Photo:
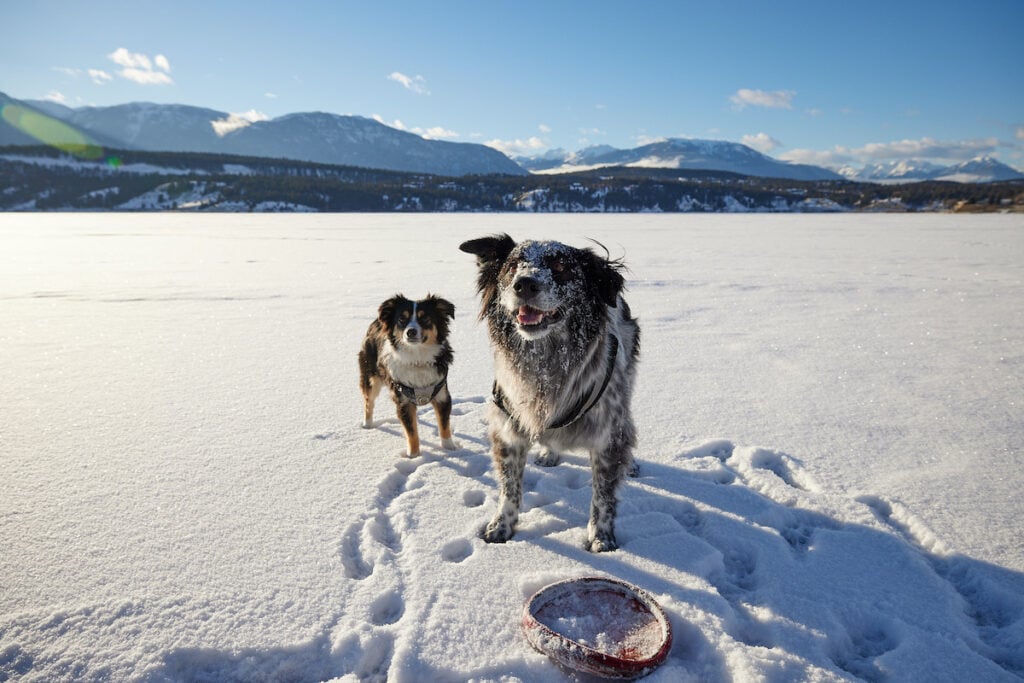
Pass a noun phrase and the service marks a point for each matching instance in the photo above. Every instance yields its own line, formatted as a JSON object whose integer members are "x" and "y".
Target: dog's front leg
{"x": 407, "y": 416}
{"x": 606, "y": 468}
{"x": 509, "y": 461}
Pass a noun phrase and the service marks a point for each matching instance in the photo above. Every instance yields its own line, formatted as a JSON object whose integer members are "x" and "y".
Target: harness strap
{"x": 411, "y": 393}
{"x": 584, "y": 405}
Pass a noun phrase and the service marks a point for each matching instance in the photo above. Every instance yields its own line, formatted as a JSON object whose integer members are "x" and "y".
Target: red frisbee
{"x": 598, "y": 626}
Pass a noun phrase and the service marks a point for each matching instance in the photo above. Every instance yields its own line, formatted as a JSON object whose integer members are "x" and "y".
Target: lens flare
{"x": 51, "y": 131}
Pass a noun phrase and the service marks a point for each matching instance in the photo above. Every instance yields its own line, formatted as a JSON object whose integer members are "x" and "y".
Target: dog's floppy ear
{"x": 490, "y": 253}
{"x": 605, "y": 276}
{"x": 495, "y": 248}
{"x": 443, "y": 306}
{"x": 386, "y": 312}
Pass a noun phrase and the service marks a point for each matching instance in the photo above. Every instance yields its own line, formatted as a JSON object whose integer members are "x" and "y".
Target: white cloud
{"x": 776, "y": 99}
{"x": 544, "y": 128}
{"x": 1020, "y": 132}
{"x": 270, "y": 95}
{"x": 642, "y": 140}
{"x": 926, "y": 148}
{"x": 68, "y": 71}
{"x": 437, "y": 133}
{"x": 432, "y": 133}
{"x": 762, "y": 142}
{"x": 830, "y": 158}
{"x": 380, "y": 119}
{"x": 416, "y": 84}
{"x": 55, "y": 96}
{"x": 139, "y": 68}
{"x": 235, "y": 122}
{"x": 130, "y": 60}
{"x": 518, "y": 147}
{"x": 100, "y": 77}
{"x": 144, "y": 77}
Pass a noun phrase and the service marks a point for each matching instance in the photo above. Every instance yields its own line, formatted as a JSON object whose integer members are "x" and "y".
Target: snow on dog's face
{"x": 411, "y": 323}
{"x": 537, "y": 284}
{"x": 541, "y": 287}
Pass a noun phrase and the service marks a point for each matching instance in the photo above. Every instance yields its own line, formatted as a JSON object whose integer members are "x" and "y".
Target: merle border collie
{"x": 565, "y": 354}
{"x": 406, "y": 349}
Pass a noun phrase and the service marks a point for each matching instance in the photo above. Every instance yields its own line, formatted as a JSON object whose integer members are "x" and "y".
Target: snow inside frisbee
{"x": 598, "y": 626}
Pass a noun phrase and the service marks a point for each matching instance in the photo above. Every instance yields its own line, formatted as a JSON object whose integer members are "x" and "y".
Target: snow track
{"x": 189, "y": 495}
{"x": 740, "y": 545}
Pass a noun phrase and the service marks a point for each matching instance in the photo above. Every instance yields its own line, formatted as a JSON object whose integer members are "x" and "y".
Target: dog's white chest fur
{"x": 412, "y": 365}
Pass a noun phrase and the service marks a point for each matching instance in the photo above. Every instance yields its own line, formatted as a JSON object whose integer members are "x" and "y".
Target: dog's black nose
{"x": 526, "y": 286}
{"x": 412, "y": 334}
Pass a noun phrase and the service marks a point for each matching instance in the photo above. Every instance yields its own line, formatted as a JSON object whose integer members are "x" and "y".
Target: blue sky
{"x": 825, "y": 82}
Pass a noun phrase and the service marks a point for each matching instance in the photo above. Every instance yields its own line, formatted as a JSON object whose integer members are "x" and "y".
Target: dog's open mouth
{"x": 532, "y": 318}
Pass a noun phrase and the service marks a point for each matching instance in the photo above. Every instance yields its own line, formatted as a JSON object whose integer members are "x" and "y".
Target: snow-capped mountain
{"x": 358, "y": 141}
{"x": 152, "y": 127}
{"x": 909, "y": 169}
{"x": 707, "y": 155}
{"x": 982, "y": 169}
{"x": 318, "y": 137}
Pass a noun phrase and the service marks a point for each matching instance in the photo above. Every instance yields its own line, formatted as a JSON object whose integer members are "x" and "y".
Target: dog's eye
{"x": 559, "y": 270}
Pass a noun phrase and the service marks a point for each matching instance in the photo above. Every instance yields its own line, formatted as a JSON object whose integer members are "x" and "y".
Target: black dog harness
{"x": 419, "y": 396}
{"x": 582, "y": 406}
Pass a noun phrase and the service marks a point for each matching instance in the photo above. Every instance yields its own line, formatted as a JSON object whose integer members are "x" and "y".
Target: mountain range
{"x": 683, "y": 154}
{"x": 362, "y": 142}
{"x": 316, "y": 136}
{"x": 982, "y": 169}
{"x": 716, "y": 155}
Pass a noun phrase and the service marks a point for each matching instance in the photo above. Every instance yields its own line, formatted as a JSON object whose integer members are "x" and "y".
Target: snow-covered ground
{"x": 829, "y": 407}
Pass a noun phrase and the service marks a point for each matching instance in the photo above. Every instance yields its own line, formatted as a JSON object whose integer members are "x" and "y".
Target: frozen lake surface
{"x": 830, "y": 417}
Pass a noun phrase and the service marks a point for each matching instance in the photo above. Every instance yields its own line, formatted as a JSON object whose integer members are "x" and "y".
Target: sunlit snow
{"x": 830, "y": 421}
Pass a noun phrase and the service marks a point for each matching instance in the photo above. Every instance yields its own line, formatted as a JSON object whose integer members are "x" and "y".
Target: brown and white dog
{"x": 565, "y": 353}
{"x": 406, "y": 349}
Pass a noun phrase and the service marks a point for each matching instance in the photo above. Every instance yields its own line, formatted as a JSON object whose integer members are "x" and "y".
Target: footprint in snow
{"x": 387, "y": 609}
{"x": 456, "y": 551}
{"x": 473, "y": 498}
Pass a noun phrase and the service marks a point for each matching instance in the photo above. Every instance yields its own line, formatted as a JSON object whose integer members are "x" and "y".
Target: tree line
{"x": 55, "y": 180}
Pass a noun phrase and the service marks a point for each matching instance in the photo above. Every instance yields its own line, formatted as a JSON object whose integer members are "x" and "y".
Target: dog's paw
{"x": 547, "y": 458}
{"x": 497, "y": 532}
{"x": 408, "y": 453}
{"x": 367, "y": 424}
{"x": 450, "y": 444}
{"x": 633, "y": 469}
{"x": 603, "y": 543}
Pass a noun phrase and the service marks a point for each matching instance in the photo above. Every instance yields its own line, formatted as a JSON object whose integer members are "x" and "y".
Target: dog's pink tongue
{"x": 529, "y": 316}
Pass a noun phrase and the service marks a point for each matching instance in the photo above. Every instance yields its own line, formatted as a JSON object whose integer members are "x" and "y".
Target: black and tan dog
{"x": 406, "y": 349}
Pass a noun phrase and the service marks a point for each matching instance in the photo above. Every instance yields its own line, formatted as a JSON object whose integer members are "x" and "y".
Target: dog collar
{"x": 582, "y": 406}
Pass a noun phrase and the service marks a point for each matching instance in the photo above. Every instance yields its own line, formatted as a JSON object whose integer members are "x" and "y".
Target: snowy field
{"x": 830, "y": 417}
